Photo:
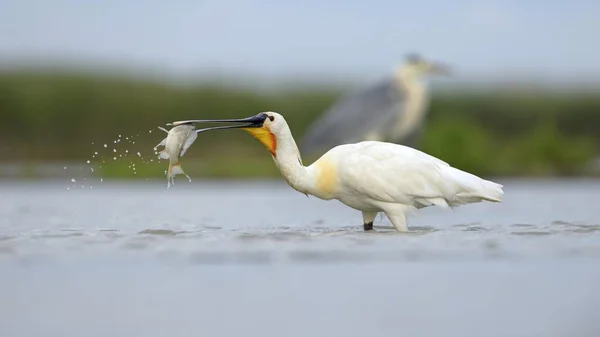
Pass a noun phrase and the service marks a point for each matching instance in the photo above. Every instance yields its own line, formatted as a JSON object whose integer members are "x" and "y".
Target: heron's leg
{"x": 368, "y": 218}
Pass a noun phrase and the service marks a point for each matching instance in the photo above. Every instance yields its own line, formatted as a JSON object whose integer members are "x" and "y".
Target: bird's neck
{"x": 409, "y": 80}
{"x": 289, "y": 162}
{"x": 416, "y": 98}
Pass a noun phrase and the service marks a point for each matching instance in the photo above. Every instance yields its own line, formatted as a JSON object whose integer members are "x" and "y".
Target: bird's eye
{"x": 271, "y": 118}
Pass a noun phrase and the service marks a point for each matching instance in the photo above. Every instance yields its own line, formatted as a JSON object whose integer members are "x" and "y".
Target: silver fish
{"x": 178, "y": 140}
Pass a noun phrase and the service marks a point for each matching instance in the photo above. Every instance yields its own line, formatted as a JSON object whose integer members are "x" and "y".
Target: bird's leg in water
{"x": 368, "y": 218}
{"x": 398, "y": 219}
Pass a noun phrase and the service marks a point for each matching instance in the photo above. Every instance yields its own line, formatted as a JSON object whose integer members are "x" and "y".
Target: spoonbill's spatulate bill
{"x": 369, "y": 176}
{"x": 392, "y": 110}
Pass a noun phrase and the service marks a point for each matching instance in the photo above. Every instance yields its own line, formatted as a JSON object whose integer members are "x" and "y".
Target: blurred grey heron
{"x": 392, "y": 110}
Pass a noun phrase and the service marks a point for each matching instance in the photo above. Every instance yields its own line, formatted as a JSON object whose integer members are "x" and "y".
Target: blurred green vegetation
{"x": 62, "y": 117}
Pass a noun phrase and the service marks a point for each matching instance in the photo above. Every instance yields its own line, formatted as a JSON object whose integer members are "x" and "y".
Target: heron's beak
{"x": 255, "y": 121}
{"x": 440, "y": 69}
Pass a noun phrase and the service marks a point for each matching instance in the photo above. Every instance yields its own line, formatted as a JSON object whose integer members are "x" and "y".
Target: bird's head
{"x": 267, "y": 127}
{"x": 269, "y": 131}
{"x": 418, "y": 67}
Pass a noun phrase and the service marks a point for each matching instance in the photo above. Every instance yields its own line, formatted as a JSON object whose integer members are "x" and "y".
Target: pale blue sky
{"x": 278, "y": 38}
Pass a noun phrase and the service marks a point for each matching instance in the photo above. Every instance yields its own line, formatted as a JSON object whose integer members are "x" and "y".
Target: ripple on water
{"x": 422, "y": 229}
{"x": 58, "y": 235}
{"x": 576, "y": 227}
{"x": 586, "y": 229}
{"x": 312, "y": 243}
{"x": 465, "y": 225}
{"x": 275, "y": 235}
{"x": 212, "y": 227}
{"x": 167, "y": 232}
{"x": 523, "y": 225}
{"x": 533, "y": 233}
{"x": 472, "y": 227}
{"x": 164, "y": 232}
{"x": 560, "y": 222}
{"x": 476, "y": 229}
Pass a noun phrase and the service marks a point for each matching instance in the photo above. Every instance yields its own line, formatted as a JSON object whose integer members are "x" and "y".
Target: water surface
{"x": 257, "y": 258}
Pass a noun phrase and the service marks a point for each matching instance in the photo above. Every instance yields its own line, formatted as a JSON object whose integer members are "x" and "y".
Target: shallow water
{"x": 231, "y": 258}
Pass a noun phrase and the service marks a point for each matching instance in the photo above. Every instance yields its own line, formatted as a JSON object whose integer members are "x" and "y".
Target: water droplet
{"x": 126, "y": 151}
{"x": 114, "y": 158}
{"x": 65, "y": 167}
{"x": 139, "y": 154}
{"x": 96, "y": 152}
{"x": 101, "y": 179}
{"x": 105, "y": 145}
{"x": 91, "y": 187}
{"x": 119, "y": 136}
{"x": 150, "y": 131}
{"x": 114, "y": 150}
{"x": 73, "y": 180}
{"x": 88, "y": 161}
{"x": 92, "y": 169}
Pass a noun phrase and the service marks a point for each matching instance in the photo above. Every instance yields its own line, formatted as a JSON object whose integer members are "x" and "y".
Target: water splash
{"x": 124, "y": 147}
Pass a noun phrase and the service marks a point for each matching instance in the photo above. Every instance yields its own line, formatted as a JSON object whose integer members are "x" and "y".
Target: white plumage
{"x": 384, "y": 177}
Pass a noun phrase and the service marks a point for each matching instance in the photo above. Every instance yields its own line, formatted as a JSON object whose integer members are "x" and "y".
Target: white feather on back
{"x": 391, "y": 173}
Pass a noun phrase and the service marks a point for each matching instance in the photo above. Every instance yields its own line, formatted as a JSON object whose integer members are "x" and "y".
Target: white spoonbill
{"x": 369, "y": 176}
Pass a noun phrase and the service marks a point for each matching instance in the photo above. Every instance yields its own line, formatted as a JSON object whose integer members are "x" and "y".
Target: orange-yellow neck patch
{"x": 327, "y": 177}
{"x": 265, "y": 136}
